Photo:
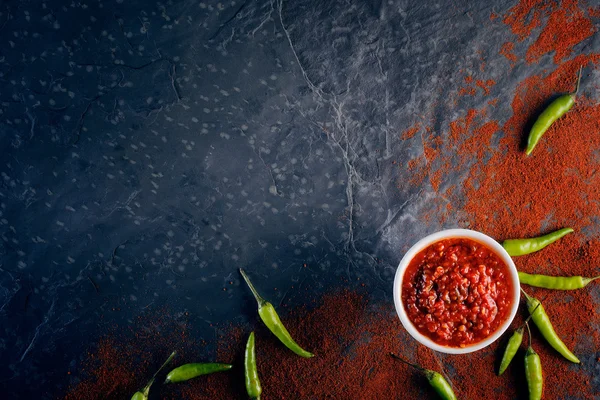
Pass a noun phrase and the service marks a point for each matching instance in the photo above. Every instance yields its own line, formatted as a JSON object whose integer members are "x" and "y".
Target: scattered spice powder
{"x": 524, "y": 17}
{"x": 566, "y": 26}
{"x": 553, "y": 187}
{"x": 410, "y": 132}
{"x": 123, "y": 361}
{"x": 467, "y": 91}
{"x": 351, "y": 340}
{"x": 507, "y": 50}
{"x": 485, "y": 85}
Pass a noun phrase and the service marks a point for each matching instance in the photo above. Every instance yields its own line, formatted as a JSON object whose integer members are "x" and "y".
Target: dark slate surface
{"x": 149, "y": 149}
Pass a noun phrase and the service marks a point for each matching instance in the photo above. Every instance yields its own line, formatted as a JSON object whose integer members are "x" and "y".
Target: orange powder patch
{"x": 466, "y": 91}
{"x": 410, "y": 132}
{"x": 567, "y": 26}
{"x": 507, "y": 50}
{"x": 524, "y": 17}
{"x": 485, "y": 85}
{"x": 544, "y": 191}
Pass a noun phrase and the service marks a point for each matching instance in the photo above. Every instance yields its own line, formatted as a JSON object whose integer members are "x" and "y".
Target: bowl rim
{"x": 436, "y": 237}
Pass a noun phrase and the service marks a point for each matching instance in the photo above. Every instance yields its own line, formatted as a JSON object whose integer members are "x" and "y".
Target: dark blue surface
{"x": 149, "y": 149}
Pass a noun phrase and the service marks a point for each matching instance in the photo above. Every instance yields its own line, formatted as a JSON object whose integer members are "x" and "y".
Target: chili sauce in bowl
{"x": 456, "y": 291}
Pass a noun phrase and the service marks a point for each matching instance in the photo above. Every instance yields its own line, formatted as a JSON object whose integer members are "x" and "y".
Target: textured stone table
{"x": 149, "y": 149}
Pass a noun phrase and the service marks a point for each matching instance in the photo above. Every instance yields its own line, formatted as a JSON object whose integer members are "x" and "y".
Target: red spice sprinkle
{"x": 410, "y": 132}
{"x": 523, "y": 11}
{"x": 468, "y": 91}
{"x": 507, "y": 51}
{"x": 534, "y": 197}
{"x": 485, "y": 85}
{"x": 567, "y": 26}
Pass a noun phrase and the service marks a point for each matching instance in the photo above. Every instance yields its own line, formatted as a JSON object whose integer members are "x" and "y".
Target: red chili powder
{"x": 524, "y": 17}
{"x": 419, "y": 167}
{"x": 510, "y": 195}
{"x": 410, "y": 132}
{"x": 507, "y": 51}
{"x": 485, "y": 85}
{"x": 567, "y": 26}
{"x": 553, "y": 187}
{"x": 466, "y": 91}
{"x": 109, "y": 373}
{"x": 467, "y": 135}
{"x": 123, "y": 362}
{"x": 351, "y": 340}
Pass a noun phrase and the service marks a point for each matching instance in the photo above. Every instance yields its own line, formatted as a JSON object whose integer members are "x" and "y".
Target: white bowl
{"x": 436, "y": 237}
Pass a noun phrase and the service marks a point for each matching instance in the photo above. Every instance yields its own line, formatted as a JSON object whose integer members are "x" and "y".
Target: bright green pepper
{"x": 513, "y": 346}
{"x": 554, "y": 111}
{"x": 520, "y": 247}
{"x": 253, "y": 387}
{"x": 555, "y": 282}
{"x": 435, "y": 379}
{"x": 511, "y": 350}
{"x": 273, "y": 322}
{"x": 189, "y": 371}
{"x": 143, "y": 394}
{"x": 542, "y": 321}
{"x": 533, "y": 372}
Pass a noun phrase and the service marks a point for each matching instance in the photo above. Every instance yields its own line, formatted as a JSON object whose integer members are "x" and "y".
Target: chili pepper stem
{"x": 407, "y": 363}
{"x": 588, "y": 280}
{"x": 578, "y": 80}
{"x": 257, "y": 296}
{"x": 529, "y": 317}
{"x": 529, "y": 333}
{"x": 146, "y": 388}
{"x": 526, "y": 295}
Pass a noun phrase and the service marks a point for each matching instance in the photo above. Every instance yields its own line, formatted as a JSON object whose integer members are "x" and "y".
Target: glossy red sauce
{"x": 457, "y": 292}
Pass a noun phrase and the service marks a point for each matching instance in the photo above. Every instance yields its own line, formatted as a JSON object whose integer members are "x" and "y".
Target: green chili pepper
{"x": 555, "y": 282}
{"x": 512, "y": 346}
{"x": 519, "y": 247}
{"x": 251, "y": 371}
{"x": 143, "y": 394}
{"x": 533, "y": 372}
{"x": 542, "y": 321}
{"x": 511, "y": 349}
{"x": 435, "y": 379}
{"x": 554, "y": 111}
{"x": 271, "y": 319}
{"x": 189, "y": 371}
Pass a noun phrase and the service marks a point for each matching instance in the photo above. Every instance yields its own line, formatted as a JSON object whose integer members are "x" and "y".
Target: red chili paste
{"x": 457, "y": 292}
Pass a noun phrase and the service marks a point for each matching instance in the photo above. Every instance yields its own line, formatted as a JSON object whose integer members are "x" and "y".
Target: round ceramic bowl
{"x": 436, "y": 237}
